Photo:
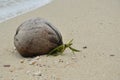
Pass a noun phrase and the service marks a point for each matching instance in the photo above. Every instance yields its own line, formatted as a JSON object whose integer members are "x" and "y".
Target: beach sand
{"x": 95, "y": 27}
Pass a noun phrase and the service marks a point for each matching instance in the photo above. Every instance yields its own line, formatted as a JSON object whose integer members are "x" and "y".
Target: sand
{"x": 94, "y": 24}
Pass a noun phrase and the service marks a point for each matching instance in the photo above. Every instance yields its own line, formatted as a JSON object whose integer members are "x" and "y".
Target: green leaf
{"x": 60, "y": 49}
{"x": 73, "y": 49}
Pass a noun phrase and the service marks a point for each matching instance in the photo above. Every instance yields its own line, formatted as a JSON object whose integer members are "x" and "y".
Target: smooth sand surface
{"x": 91, "y": 23}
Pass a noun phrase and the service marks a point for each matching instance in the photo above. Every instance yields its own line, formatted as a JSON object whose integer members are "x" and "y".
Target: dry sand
{"x": 91, "y": 23}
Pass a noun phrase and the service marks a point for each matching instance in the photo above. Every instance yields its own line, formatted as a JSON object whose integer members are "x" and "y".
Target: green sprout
{"x": 60, "y": 49}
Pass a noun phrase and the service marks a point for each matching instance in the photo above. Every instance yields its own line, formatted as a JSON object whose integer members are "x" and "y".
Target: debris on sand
{"x": 7, "y": 65}
{"x": 21, "y": 61}
{"x": 112, "y": 55}
{"x": 38, "y": 73}
{"x": 32, "y": 62}
{"x": 85, "y": 47}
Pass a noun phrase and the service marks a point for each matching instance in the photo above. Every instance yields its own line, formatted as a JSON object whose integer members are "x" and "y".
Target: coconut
{"x": 36, "y": 37}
